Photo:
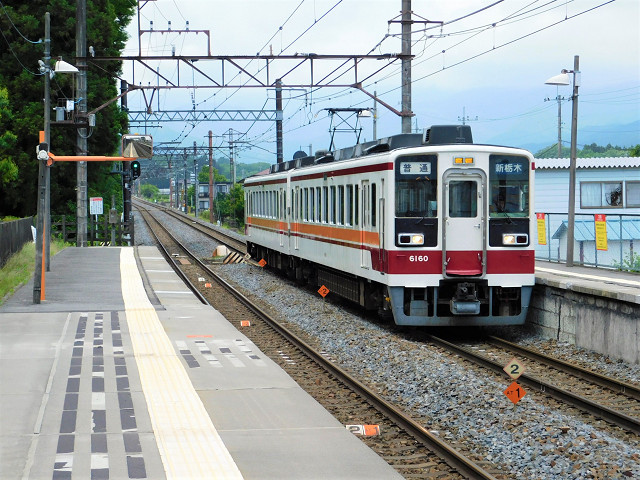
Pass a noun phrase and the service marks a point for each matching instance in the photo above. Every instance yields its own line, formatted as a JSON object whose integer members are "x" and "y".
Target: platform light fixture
{"x": 563, "y": 79}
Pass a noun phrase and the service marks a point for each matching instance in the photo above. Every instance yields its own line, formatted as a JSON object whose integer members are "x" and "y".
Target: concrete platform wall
{"x": 604, "y": 325}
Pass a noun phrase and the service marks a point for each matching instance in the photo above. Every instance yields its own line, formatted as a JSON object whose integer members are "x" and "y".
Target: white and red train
{"x": 431, "y": 228}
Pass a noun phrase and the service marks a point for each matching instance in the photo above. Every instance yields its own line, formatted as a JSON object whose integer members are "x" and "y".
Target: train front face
{"x": 462, "y": 250}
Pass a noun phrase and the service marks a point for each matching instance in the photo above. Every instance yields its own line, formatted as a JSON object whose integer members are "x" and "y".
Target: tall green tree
{"x": 8, "y": 169}
{"x": 23, "y": 23}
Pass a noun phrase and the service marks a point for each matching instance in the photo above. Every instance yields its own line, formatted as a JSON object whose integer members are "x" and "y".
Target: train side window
{"x": 341, "y": 204}
{"x": 318, "y": 204}
{"x": 349, "y": 205}
{"x": 325, "y": 203}
{"x": 374, "y": 201}
{"x": 305, "y": 215}
{"x": 312, "y": 204}
{"x": 356, "y": 209}
{"x": 333, "y": 204}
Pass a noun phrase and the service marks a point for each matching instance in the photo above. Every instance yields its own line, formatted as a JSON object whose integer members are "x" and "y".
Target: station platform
{"x": 122, "y": 373}
{"x": 598, "y": 282}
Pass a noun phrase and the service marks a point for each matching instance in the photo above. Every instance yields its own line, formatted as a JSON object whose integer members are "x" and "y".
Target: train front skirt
{"x": 446, "y": 306}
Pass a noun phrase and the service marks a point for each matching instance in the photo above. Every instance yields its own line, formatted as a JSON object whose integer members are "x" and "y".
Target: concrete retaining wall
{"x": 605, "y": 325}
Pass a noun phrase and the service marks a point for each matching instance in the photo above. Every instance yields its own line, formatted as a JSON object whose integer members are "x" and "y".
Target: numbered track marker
{"x": 514, "y": 368}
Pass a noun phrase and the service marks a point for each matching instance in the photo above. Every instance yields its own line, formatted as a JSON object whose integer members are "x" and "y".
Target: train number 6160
{"x": 418, "y": 258}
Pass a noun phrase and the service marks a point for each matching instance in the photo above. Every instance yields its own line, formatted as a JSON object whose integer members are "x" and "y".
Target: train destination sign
{"x": 415, "y": 168}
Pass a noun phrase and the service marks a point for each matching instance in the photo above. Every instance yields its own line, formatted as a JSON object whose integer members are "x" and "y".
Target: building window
{"x": 601, "y": 194}
{"x": 633, "y": 194}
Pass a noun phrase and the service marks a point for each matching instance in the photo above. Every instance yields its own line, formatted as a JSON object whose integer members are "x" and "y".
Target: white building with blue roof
{"x": 609, "y": 186}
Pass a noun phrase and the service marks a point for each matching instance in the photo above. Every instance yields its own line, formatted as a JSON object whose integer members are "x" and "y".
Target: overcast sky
{"x": 491, "y": 65}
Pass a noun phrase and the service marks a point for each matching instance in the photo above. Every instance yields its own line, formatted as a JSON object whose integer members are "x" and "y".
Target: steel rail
{"x": 169, "y": 258}
{"x": 452, "y": 457}
{"x": 617, "y": 418}
{"x": 611, "y": 383}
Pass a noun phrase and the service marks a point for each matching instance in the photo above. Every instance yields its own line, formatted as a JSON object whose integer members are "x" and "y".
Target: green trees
{"x": 22, "y": 115}
{"x": 230, "y": 206}
{"x": 8, "y": 169}
{"x": 149, "y": 191}
{"x": 588, "y": 151}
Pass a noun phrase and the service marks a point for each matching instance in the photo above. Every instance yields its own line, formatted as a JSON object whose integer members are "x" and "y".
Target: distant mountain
{"x": 627, "y": 135}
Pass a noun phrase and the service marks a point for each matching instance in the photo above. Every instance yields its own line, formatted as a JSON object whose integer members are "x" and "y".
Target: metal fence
{"x": 617, "y": 244}
{"x": 99, "y": 231}
{"x": 13, "y": 235}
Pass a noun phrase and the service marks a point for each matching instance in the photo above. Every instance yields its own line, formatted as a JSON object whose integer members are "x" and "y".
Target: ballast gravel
{"x": 467, "y": 407}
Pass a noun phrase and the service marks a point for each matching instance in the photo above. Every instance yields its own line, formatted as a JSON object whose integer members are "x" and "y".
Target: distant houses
{"x": 609, "y": 186}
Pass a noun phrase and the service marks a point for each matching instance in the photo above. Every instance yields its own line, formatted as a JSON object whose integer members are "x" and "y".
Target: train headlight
{"x": 411, "y": 239}
{"x": 515, "y": 239}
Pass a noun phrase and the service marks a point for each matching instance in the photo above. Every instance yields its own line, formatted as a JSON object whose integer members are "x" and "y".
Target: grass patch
{"x": 20, "y": 266}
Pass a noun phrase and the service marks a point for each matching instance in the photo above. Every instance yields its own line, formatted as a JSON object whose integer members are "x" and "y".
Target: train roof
{"x": 436, "y": 135}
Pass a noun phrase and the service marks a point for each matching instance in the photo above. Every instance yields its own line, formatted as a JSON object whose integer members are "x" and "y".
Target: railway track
{"x": 404, "y": 443}
{"x": 216, "y": 234}
{"x": 609, "y": 399}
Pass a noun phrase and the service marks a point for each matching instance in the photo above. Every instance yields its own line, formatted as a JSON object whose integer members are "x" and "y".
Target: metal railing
{"x": 620, "y": 251}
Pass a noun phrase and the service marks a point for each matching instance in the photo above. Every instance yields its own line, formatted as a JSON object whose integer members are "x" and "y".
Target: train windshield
{"x": 509, "y": 186}
{"x": 416, "y": 186}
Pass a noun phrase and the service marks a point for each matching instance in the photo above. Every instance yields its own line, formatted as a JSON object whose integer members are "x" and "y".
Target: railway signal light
{"x": 135, "y": 169}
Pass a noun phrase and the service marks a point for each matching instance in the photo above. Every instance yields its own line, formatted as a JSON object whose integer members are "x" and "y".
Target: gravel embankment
{"x": 458, "y": 402}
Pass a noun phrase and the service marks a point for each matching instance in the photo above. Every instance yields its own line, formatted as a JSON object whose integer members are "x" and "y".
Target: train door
{"x": 365, "y": 219}
{"x": 463, "y": 230}
{"x": 295, "y": 218}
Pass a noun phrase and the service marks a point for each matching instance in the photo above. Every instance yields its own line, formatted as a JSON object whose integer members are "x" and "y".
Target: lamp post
{"x": 43, "y": 227}
{"x": 563, "y": 79}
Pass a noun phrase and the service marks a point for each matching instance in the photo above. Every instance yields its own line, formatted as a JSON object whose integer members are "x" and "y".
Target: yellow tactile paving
{"x": 188, "y": 442}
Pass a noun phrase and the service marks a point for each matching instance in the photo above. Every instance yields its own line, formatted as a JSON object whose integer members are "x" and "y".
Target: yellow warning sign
{"x": 514, "y": 392}
{"x": 324, "y": 291}
{"x": 601, "y": 231}
{"x": 542, "y": 229}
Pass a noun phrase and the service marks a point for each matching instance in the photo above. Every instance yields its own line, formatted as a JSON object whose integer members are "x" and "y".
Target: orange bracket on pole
{"x": 88, "y": 158}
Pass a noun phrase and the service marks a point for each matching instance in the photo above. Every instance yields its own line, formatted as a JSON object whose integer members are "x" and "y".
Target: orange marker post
{"x": 515, "y": 392}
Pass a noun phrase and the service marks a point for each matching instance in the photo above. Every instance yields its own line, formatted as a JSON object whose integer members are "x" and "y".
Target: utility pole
{"x": 465, "y": 118}
{"x": 375, "y": 116}
{"x": 43, "y": 170}
{"x": 81, "y": 138}
{"x": 211, "y": 175}
{"x": 232, "y": 163}
{"x": 186, "y": 201}
{"x": 279, "y": 147}
{"x": 572, "y": 163}
{"x": 196, "y": 182}
{"x": 127, "y": 183}
{"x": 559, "y": 99}
{"x": 406, "y": 65}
